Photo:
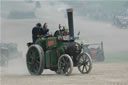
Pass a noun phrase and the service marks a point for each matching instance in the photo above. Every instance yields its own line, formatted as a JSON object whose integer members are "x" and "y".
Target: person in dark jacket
{"x": 37, "y": 32}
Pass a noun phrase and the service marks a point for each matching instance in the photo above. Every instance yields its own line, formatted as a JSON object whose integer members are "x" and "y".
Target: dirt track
{"x": 101, "y": 74}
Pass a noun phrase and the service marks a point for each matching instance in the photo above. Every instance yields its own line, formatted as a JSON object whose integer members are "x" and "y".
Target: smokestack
{"x": 70, "y": 23}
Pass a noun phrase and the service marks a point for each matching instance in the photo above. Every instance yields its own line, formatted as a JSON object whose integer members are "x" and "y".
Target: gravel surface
{"x": 101, "y": 74}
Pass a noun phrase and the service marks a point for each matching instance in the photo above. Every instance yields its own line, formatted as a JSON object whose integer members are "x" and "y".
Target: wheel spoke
{"x": 62, "y": 63}
{"x": 67, "y": 70}
{"x": 67, "y": 66}
{"x": 36, "y": 66}
{"x": 30, "y": 63}
{"x": 83, "y": 68}
{"x": 83, "y": 58}
{"x": 79, "y": 64}
{"x": 86, "y": 68}
{"x": 30, "y": 55}
{"x": 67, "y": 60}
{"x": 38, "y": 62}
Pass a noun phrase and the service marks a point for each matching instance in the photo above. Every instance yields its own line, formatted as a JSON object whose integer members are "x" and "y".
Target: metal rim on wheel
{"x": 65, "y": 64}
{"x": 35, "y": 60}
{"x": 84, "y": 63}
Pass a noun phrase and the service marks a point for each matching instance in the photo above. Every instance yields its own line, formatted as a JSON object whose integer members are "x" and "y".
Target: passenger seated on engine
{"x": 38, "y": 31}
{"x": 64, "y": 31}
{"x": 45, "y": 30}
{"x": 61, "y": 32}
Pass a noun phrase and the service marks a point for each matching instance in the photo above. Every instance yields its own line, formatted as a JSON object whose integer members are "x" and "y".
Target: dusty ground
{"x": 101, "y": 74}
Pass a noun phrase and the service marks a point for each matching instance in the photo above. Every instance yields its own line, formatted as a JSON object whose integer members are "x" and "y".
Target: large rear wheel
{"x": 84, "y": 63}
{"x": 35, "y": 60}
{"x": 65, "y": 64}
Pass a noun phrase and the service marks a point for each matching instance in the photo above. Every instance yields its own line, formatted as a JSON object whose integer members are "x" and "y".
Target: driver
{"x": 37, "y": 32}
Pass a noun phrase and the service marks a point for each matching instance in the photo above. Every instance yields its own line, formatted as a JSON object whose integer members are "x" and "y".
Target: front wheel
{"x": 35, "y": 60}
{"x": 65, "y": 64}
{"x": 84, "y": 63}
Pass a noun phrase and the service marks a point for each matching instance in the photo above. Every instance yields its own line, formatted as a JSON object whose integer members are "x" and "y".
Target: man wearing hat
{"x": 37, "y": 32}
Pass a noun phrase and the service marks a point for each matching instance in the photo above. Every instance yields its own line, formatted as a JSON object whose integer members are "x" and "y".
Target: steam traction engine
{"x": 59, "y": 53}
